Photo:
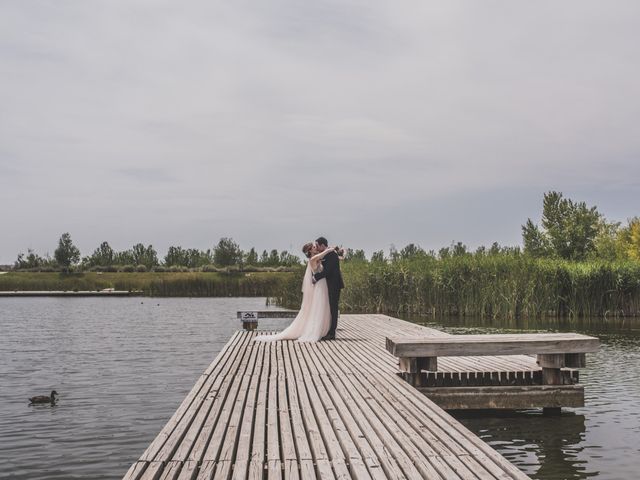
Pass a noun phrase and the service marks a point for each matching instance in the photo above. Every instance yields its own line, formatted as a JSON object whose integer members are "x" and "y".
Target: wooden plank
{"x": 229, "y": 416}
{"x": 274, "y": 460}
{"x": 383, "y": 415}
{"x": 287, "y": 442}
{"x": 394, "y": 462}
{"x": 189, "y": 470}
{"x": 357, "y": 450}
{"x": 242, "y": 407}
{"x": 494, "y": 344}
{"x": 506, "y": 397}
{"x": 135, "y": 471}
{"x": 324, "y": 442}
{"x": 250, "y": 418}
{"x": 436, "y": 418}
{"x": 436, "y": 443}
{"x": 257, "y": 460}
{"x": 305, "y": 432}
{"x": 190, "y": 446}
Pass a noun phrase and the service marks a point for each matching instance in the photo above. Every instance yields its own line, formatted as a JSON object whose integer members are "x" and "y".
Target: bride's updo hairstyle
{"x": 306, "y": 249}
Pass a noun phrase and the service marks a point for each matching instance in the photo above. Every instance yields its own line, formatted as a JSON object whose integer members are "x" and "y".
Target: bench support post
{"x": 417, "y": 364}
{"x": 575, "y": 360}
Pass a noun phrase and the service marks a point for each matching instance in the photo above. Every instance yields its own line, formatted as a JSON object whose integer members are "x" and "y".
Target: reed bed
{"x": 161, "y": 284}
{"x": 487, "y": 286}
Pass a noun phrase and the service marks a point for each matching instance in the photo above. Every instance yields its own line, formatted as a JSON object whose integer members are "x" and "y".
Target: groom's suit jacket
{"x": 331, "y": 271}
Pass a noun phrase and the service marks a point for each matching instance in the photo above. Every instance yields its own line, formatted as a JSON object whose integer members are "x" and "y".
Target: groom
{"x": 330, "y": 271}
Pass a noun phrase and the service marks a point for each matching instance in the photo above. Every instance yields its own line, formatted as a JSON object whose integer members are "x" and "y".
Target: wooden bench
{"x": 554, "y": 352}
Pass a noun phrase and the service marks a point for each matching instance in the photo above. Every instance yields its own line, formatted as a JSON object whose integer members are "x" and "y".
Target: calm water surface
{"x": 123, "y": 365}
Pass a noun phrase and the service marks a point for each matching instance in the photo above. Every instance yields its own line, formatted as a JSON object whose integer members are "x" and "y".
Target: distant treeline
{"x": 573, "y": 263}
{"x": 225, "y": 256}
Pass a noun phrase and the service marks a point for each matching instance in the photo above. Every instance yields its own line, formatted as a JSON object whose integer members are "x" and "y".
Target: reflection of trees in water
{"x": 555, "y": 441}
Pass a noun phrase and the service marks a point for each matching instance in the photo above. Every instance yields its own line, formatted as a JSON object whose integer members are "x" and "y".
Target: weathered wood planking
{"x": 330, "y": 410}
{"x": 489, "y": 345}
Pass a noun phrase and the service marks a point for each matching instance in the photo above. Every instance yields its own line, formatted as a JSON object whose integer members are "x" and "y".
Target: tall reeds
{"x": 508, "y": 286}
{"x": 169, "y": 284}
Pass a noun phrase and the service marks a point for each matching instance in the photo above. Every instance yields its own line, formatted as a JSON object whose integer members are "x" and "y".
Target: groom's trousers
{"x": 334, "y": 300}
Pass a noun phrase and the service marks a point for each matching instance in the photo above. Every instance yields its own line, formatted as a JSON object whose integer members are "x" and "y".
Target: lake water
{"x": 123, "y": 365}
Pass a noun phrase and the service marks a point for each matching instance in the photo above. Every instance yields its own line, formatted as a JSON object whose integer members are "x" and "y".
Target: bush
{"x": 141, "y": 268}
{"x": 210, "y": 268}
{"x": 128, "y": 268}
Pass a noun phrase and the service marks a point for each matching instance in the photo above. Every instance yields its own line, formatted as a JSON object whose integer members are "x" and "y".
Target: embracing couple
{"x": 318, "y": 316}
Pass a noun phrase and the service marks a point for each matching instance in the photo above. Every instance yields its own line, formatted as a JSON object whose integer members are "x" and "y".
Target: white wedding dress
{"x": 314, "y": 318}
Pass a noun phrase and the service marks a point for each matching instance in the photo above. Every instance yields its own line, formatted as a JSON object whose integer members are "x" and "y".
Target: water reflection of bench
{"x": 496, "y": 371}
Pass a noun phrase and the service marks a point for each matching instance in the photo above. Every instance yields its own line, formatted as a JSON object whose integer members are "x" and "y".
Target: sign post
{"x": 249, "y": 320}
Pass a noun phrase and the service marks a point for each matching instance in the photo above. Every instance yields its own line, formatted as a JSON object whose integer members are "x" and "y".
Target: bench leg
{"x": 417, "y": 364}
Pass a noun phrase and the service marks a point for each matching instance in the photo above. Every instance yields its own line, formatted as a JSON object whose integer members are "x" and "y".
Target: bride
{"x": 314, "y": 318}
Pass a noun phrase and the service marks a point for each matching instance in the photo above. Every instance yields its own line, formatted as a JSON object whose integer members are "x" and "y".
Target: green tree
{"x": 67, "y": 254}
{"x": 410, "y": 251}
{"x": 288, "y": 259}
{"x": 378, "y": 257}
{"x": 176, "y": 256}
{"x": 459, "y": 249}
{"x": 569, "y": 229}
{"x": 227, "y": 253}
{"x": 535, "y": 241}
{"x": 103, "y": 256}
{"x": 146, "y": 256}
{"x": 629, "y": 239}
{"x": 252, "y": 257}
{"x": 32, "y": 260}
{"x": 124, "y": 257}
{"x": 274, "y": 258}
{"x": 352, "y": 255}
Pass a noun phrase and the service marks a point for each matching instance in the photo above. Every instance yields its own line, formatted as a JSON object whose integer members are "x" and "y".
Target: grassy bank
{"x": 163, "y": 284}
{"x": 511, "y": 286}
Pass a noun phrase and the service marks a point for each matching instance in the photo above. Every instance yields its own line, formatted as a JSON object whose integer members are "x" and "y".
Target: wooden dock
{"x": 68, "y": 293}
{"x": 336, "y": 409}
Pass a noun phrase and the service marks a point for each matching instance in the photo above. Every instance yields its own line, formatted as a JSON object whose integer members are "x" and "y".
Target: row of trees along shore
{"x": 226, "y": 256}
{"x": 573, "y": 263}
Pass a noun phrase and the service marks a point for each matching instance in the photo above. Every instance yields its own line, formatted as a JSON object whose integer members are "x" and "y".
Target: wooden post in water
{"x": 551, "y": 364}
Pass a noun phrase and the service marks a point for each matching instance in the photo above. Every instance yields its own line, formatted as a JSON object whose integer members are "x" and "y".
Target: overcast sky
{"x": 372, "y": 123}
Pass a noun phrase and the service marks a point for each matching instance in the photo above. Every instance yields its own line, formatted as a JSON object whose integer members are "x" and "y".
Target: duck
{"x": 45, "y": 398}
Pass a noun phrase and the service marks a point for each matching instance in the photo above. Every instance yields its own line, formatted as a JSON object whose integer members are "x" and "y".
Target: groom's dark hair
{"x": 322, "y": 241}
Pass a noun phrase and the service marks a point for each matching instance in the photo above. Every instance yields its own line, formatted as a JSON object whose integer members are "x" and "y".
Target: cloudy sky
{"x": 373, "y": 123}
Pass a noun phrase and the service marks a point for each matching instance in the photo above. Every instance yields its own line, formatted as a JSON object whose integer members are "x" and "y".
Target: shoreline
{"x": 66, "y": 293}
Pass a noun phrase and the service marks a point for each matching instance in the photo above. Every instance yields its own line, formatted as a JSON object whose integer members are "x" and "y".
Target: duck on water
{"x": 44, "y": 398}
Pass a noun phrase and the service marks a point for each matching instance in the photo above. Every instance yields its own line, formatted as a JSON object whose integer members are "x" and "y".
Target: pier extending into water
{"x": 69, "y": 293}
{"x": 346, "y": 408}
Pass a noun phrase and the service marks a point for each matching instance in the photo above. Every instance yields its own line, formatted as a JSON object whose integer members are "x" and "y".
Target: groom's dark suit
{"x": 331, "y": 271}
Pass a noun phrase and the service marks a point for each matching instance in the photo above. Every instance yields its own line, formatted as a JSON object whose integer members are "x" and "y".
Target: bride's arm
{"x": 315, "y": 260}
{"x": 321, "y": 255}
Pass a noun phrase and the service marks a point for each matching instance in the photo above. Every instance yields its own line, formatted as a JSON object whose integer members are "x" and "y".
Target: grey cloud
{"x": 372, "y": 122}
